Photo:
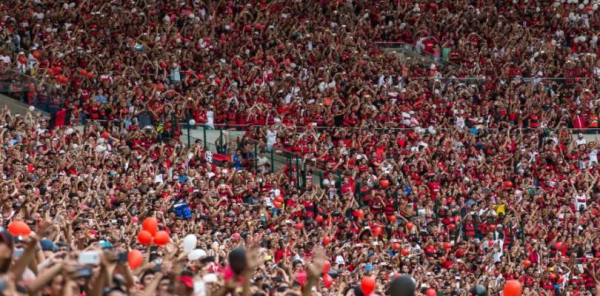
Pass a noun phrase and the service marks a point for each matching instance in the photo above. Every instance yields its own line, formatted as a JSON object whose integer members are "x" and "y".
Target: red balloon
{"x": 299, "y": 225}
{"x": 396, "y": 246}
{"x": 447, "y": 245}
{"x": 22, "y": 59}
{"x": 508, "y": 184}
{"x": 36, "y": 54}
{"x": 558, "y": 245}
{"x": 161, "y": 238}
{"x": 277, "y": 204}
{"x": 377, "y": 231}
{"x": 367, "y": 285}
{"x": 327, "y": 281}
{"x": 17, "y": 228}
{"x": 492, "y": 227}
{"x": 384, "y": 183}
{"x": 319, "y": 219}
{"x": 105, "y": 134}
{"x": 431, "y": 292}
{"x": 326, "y": 267}
{"x": 393, "y": 219}
{"x": 360, "y": 214}
{"x": 62, "y": 79}
{"x": 135, "y": 219}
{"x": 150, "y": 225}
{"x": 512, "y": 288}
{"x": 236, "y": 236}
{"x": 452, "y": 227}
{"x": 145, "y": 237}
{"x": 135, "y": 259}
{"x": 326, "y": 240}
{"x": 409, "y": 226}
{"x": 405, "y": 252}
{"x": 553, "y": 276}
{"x": 279, "y": 199}
{"x": 526, "y": 263}
{"x": 163, "y": 65}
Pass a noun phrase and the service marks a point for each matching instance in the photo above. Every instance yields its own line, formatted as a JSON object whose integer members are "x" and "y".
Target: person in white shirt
{"x": 580, "y": 140}
{"x": 593, "y": 156}
{"x": 210, "y": 118}
{"x": 271, "y": 138}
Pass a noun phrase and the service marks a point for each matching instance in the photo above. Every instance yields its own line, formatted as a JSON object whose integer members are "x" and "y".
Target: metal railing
{"x": 412, "y": 51}
{"x": 31, "y": 91}
{"x": 227, "y": 139}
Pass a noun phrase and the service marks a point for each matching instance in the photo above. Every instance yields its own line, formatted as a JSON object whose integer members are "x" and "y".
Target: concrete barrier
{"x": 17, "y": 107}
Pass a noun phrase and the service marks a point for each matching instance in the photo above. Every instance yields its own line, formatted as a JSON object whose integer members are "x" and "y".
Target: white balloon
{"x": 31, "y": 108}
{"x": 189, "y": 242}
{"x": 581, "y": 6}
{"x": 69, "y": 131}
{"x": 100, "y": 148}
{"x": 196, "y": 254}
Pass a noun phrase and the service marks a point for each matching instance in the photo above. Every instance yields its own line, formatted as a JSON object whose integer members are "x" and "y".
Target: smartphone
{"x": 122, "y": 257}
{"x": 18, "y": 252}
{"x": 84, "y": 273}
{"x": 88, "y": 258}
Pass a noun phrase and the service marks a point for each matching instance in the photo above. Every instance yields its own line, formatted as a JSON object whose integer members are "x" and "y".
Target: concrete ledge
{"x": 17, "y": 107}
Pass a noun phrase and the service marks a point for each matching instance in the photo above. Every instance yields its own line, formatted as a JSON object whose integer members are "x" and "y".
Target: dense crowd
{"x": 463, "y": 164}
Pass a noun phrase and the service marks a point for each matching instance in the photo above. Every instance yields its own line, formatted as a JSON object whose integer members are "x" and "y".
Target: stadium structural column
{"x": 256, "y": 156}
{"x": 304, "y": 175}
{"x": 435, "y": 210}
{"x": 320, "y": 179}
{"x": 477, "y": 233}
{"x": 289, "y": 166}
{"x": 297, "y": 172}
{"x": 189, "y": 136}
{"x": 272, "y": 161}
{"x": 522, "y": 234}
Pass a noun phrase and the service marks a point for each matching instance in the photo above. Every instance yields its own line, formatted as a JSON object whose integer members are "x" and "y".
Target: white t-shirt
{"x": 271, "y": 137}
{"x": 210, "y": 118}
{"x": 594, "y": 156}
{"x": 460, "y": 122}
{"x": 580, "y": 200}
{"x": 5, "y": 59}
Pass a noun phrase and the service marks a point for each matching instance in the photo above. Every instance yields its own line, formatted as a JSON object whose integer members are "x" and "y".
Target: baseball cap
{"x": 48, "y": 245}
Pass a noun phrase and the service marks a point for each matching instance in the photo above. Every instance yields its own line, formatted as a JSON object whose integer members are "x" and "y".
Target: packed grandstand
{"x": 291, "y": 147}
